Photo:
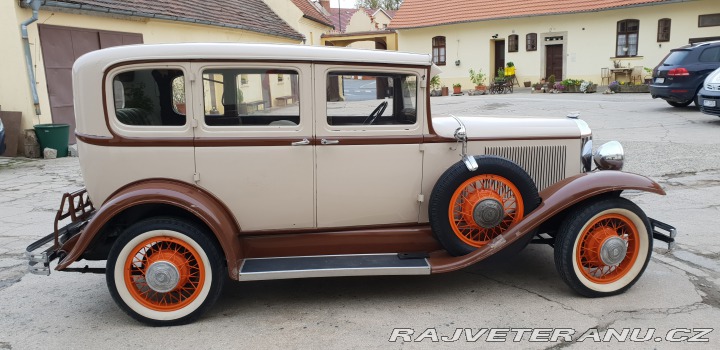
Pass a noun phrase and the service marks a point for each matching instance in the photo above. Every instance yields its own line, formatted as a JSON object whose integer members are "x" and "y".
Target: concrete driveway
{"x": 678, "y": 147}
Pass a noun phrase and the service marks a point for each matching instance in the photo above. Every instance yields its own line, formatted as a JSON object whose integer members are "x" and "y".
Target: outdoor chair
{"x": 637, "y": 74}
{"x": 605, "y": 75}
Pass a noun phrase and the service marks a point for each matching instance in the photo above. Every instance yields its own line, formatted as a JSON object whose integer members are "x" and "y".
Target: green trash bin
{"x": 55, "y": 136}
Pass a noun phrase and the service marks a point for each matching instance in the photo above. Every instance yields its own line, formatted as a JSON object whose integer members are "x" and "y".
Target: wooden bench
{"x": 283, "y": 100}
{"x": 250, "y": 107}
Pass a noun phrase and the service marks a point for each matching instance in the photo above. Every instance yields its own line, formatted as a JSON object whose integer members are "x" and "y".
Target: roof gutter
{"x": 84, "y": 7}
{"x": 35, "y": 6}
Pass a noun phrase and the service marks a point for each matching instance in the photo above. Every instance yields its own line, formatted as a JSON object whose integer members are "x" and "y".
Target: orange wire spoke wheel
{"x": 483, "y": 207}
{"x": 607, "y": 248}
{"x": 164, "y": 273}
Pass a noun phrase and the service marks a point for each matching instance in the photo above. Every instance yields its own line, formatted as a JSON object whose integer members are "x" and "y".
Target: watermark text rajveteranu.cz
{"x": 550, "y": 335}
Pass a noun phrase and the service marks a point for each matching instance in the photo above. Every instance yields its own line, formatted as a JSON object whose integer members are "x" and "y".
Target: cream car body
{"x": 284, "y": 161}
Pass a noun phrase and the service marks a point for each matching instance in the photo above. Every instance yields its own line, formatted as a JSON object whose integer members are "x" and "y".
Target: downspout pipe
{"x": 35, "y": 6}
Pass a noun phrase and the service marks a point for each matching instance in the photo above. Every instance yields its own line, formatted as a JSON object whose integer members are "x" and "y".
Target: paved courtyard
{"x": 678, "y": 147}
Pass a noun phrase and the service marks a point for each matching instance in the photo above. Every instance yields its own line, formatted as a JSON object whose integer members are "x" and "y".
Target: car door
{"x": 368, "y": 136}
{"x": 253, "y": 146}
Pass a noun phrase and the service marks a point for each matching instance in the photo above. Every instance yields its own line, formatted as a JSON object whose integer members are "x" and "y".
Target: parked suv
{"x": 680, "y": 76}
{"x": 709, "y": 96}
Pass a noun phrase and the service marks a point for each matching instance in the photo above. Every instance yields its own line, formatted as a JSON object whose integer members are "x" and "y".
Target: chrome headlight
{"x": 610, "y": 156}
{"x": 586, "y": 155}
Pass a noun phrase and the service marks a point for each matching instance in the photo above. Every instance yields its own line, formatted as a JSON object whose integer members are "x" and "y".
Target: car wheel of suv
{"x": 164, "y": 271}
{"x": 603, "y": 248}
{"x": 680, "y": 104}
{"x": 469, "y": 209}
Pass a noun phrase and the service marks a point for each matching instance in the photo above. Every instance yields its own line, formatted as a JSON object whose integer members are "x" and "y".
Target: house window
{"x": 513, "y": 43}
{"x": 712, "y": 20}
{"x": 627, "y": 38}
{"x": 438, "y": 50}
{"x": 531, "y": 42}
{"x": 663, "y": 30}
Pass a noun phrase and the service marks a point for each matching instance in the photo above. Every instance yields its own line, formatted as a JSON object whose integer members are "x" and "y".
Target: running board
{"x": 331, "y": 266}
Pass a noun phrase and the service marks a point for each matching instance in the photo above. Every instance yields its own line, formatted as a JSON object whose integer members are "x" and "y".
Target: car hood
{"x": 503, "y": 127}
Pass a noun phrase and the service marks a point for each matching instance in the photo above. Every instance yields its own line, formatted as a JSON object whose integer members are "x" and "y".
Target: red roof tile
{"x": 425, "y": 13}
{"x": 250, "y": 15}
{"x": 345, "y": 14}
{"x": 311, "y": 12}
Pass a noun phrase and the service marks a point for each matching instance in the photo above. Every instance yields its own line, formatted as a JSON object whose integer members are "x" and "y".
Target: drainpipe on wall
{"x": 35, "y": 6}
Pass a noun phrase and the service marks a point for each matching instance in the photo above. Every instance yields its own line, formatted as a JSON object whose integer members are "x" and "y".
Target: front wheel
{"x": 603, "y": 248}
{"x": 164, "y": 271}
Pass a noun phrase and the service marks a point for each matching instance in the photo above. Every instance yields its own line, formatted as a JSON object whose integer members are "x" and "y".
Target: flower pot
{"x": 457, "y": 90}
{"x": 444, "y": 91}
{"x": 527, "y": 83}
{"x": 480, "y": 87}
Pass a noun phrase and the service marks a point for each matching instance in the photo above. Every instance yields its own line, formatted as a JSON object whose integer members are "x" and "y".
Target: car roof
{"x": 237, "y": 51}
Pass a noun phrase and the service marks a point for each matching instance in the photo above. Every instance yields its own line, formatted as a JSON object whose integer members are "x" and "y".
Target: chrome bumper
{"x": 668, "y": 236}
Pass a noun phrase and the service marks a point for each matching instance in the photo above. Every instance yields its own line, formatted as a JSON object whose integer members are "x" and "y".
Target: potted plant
{"x": 457, "y": 89}
{"x": 510, "y": 69}
{"x": 614, "y": 86}
{"x": 500, "y": 77}
{"x": 527, "y": 83}
{"x": 435, "y": 86}
{"x": 478, "y": 78}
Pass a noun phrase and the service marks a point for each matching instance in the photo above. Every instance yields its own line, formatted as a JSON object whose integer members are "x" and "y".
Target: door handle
{"x": 329, "y": 142}
{"x": 301, "y": 143}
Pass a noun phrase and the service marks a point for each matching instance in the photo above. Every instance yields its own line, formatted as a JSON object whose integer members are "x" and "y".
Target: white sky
{"x": 343, "y": 3}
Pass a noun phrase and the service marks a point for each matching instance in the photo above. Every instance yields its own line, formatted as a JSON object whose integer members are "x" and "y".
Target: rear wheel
{"x": 680, "y": 104}
{"x": 603, "y": 248}
{"x": 164, "y": 271}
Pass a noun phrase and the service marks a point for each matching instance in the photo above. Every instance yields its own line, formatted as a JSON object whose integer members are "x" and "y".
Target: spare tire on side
{"x": 467, "y": 209}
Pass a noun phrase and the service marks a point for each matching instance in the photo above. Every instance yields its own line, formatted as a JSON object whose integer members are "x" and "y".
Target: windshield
{"x": 675, "y": 58}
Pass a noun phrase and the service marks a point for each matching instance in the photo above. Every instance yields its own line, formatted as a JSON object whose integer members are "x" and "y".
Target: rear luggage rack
{"x": 76, "y": 206}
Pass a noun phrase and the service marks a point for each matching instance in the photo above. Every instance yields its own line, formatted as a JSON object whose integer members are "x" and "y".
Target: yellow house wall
{"x": 360, "y": 22}
{"x": 589, "y": 42}
{"x": 14, "y": 89}
{"x": 294, "y": 17}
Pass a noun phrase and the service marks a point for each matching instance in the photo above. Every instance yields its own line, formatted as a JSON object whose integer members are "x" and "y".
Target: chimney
{"x": 325, "y": 4}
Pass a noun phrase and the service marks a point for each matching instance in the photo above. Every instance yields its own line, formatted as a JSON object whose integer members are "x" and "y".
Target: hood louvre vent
{"x": 545, "y": 164}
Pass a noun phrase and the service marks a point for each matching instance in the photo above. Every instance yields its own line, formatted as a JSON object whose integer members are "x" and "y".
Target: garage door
{"x": 61, "y": 46}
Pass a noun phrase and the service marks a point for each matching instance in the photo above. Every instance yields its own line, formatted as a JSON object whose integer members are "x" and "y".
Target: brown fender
{"x": 165, "y": 191}
{"x": 555, "y": 199}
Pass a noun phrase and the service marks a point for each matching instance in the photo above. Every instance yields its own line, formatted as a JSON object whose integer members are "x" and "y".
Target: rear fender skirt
{"x": 555, "y": 199}
{"x": 171, "y": 192}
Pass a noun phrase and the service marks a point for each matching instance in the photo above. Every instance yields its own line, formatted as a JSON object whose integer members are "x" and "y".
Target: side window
{"x": 150, "y": 97}
{"x": 251, "y": 97}
{"x": 438, "y": 50}
{"x": 663, "y": 34}
{"x": 371, "y": 98}
{"x": 513, "y": 43}
{"x": 711, "y": 54}
{"x": 627, "y": 38}
{"x": 531, "y": 42}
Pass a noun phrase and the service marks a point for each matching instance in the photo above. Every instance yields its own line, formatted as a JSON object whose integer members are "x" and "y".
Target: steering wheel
{"x": 378, "y": 111}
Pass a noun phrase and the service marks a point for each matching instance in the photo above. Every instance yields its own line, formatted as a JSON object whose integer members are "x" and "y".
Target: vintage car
{"x": 257, "y": 162}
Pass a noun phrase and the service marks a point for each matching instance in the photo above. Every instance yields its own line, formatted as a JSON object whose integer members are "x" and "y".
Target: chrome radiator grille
{"x": 545, "y": 164}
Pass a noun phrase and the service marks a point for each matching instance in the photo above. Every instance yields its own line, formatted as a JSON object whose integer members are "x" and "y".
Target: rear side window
{"x": 711, "y": 54}
{"x": 362, "y": 98}
{"x": 251, "y": 97}
{"x": 675, "y": 58}
{"x": 150, "y": 97}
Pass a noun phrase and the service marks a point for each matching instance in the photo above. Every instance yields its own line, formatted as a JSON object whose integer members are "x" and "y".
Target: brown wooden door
{"x": 499, "y": 56}
{"x": 61, "y": 46}
{"x": 554, "y": 61}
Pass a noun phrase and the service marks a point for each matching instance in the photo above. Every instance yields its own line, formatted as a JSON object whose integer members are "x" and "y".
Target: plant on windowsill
{"x": 478, "y": 78}
{"x": 457, "y": 89}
